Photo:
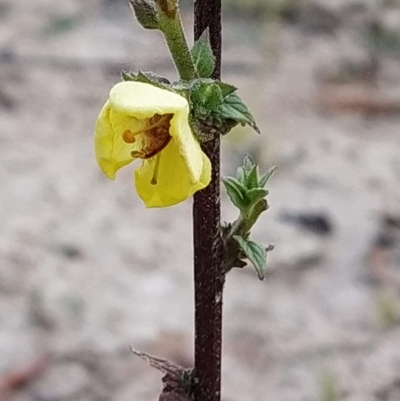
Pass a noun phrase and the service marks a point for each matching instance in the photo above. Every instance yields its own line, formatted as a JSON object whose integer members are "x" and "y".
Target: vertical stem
{"x": 170, "y": 23}
{"x": 208, "y": 276}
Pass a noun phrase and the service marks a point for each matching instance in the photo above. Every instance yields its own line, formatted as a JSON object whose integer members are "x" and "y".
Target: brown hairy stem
{"x": 209, "y": 279}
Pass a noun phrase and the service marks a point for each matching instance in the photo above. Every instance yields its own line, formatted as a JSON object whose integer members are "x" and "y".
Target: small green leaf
{"x": 255, "y": 253}
{"x": 240, "y": 176}
{"x": 265, "y": 178}
{"x": 236, "y": 192}
{"x": 203, "y": 57}
{"x": 255, "y": 195}
{"x": 145, "y": 13}
{"x": 247, "y": 164}
{"x": 255, "y": 212}
{"x": 251, "y": 180}
{"x": 233, "y": 108}
{"x": 128, "y": 76}
{"x": 226, "y": 89}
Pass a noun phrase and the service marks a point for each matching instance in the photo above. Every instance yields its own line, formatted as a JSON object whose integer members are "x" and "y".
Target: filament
{"x": 155, "y": 172}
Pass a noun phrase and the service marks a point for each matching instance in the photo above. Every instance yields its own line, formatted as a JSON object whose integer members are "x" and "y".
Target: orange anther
{"x": 128, "y": 136}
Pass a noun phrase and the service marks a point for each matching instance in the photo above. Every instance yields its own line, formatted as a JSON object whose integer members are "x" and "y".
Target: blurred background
{"x": 86, "y": 271}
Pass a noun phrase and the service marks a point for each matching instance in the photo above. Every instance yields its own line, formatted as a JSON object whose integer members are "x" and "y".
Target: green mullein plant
{"x": 174, "y": 130}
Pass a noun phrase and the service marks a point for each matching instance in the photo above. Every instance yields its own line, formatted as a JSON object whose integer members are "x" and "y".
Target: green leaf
{"x": 256, "y": 211}
{"x": 226, "y": 89}
{"x": 251, "y": 180}
{"x": 233, "y": 108}
{"x": 240, "y": 176}
{"x": 247, "y": 164}
{"x": 203, "y": 57}
{"x": 255, "y": 253}
{"x": 128, "y": 76}
{"x": 236, "y": 192}
{"x": 255, "y": 195}
{"x": 145, "y": 13}
{"x": 265, "y": 178}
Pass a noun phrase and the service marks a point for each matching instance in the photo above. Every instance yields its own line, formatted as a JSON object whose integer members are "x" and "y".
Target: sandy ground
{"x": 85, "y": 270}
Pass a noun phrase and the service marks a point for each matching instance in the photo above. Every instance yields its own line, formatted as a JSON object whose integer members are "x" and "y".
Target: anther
{"x": 138, "y": 154}
{"x": 128, "y": 136}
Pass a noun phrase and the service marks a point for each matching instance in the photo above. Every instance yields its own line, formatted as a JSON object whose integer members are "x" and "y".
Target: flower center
{"x": 151, "y": 139}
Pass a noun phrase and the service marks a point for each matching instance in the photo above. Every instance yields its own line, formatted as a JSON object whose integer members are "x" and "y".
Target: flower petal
{"x": 175, "y": 181}
{"x": 205, "y": 176}
{"x": 188, "y": 146}
{"x": 112, "y": 152}
{"x": 144, "y": 100}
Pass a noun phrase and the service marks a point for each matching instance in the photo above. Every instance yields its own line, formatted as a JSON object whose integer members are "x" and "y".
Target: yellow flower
{"x": 140, "y": 121}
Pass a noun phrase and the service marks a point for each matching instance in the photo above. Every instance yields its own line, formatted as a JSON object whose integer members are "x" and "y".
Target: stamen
{"x": 138, "y": 154}
{"x": 155, "y": 172}
{"x": 129, "y": 137}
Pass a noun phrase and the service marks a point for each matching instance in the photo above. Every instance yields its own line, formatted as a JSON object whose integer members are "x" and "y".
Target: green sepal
{"x": 203, "y": 57}
{"x": 206, "y": 96}
{"x": 203, "y": 134}
{"x": 147, "y": 77}
{"x": 255, "y": 253}
{"x": 226, "y": 89}
{"x": 215, "y": 107}
{"x": 234, "y": 109}
{"x": 145, "y": 13}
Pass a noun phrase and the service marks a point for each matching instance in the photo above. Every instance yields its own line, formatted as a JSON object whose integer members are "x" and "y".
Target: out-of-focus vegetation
{"x": 384, "y": 38}
{"x": 329, "y": 386}
{"x": 388, "y": 309}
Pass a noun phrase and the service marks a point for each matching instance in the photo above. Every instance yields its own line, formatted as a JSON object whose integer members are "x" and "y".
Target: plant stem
{"x": 170, "y": 23}
{"x": 208, "y": 251}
